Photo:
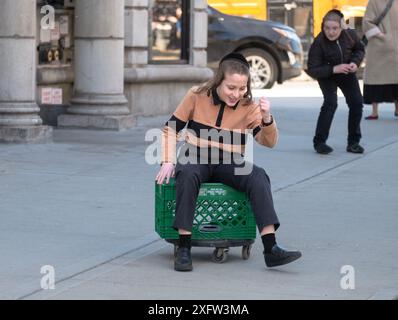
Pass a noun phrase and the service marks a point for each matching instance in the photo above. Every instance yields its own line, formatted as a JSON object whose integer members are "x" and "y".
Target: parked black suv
{"x": 273, "y": 49}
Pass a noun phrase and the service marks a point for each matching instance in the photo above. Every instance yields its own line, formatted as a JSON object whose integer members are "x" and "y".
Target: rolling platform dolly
{"x": 223, "y": 219}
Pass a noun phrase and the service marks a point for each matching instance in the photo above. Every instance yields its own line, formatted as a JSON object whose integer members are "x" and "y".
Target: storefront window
{"x": 169, "y": 36}
{"x": 55, "y": 32}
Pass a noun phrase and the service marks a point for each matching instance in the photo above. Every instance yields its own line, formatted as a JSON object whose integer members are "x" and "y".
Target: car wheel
{"x": 263, "y": 69}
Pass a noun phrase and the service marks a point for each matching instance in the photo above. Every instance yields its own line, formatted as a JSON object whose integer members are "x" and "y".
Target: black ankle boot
{"x": 182, "y": 259}
{"x": 323, "y": 148}
{"x": 279, "y": 256}
{"x": 355, "y": 148}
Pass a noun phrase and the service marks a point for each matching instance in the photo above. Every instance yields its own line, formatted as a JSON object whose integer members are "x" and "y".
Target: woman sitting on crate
{"x": 219, "y": 113}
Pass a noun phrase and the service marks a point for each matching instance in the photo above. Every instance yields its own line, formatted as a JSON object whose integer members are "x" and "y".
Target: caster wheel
{"x": 246, "y": 252}
{"x": 220, "y": 255}
{"x": 175, "y": 250}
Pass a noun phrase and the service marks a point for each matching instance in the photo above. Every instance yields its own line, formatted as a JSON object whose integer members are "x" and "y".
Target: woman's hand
{"x": 166, "y": 171}
{"x": 353, "y": 67}
{"x": 380, "y": 35}
{"x": 265, "y": 109}
{"x": 342, "y": 68}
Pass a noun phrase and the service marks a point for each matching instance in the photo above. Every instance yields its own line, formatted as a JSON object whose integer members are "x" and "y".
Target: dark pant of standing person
{"x": 350, "y": 87}
{"x": 256, "y": 185}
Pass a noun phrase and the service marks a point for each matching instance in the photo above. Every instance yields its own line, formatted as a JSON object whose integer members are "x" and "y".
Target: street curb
{"x": 385, "y": 294}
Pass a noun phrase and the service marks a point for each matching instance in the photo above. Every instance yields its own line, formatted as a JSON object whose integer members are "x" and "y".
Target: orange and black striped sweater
{"x": 228, "y": 126}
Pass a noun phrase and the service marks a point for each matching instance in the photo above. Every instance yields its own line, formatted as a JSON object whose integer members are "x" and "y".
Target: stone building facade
{"x": 95, "y": 64}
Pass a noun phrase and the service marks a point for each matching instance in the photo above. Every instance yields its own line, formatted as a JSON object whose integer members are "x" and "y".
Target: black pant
{"x": 350, "y": 87}
{"x": 255, "y": 184}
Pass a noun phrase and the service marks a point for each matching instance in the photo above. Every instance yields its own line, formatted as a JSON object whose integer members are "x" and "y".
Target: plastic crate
{"x": 222, "y": 213}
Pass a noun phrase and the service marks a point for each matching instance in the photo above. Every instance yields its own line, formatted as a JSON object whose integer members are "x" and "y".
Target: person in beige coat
{"x": 381, "y": 70}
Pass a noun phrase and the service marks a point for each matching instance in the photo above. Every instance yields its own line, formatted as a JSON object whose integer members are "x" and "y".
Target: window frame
{"x": 185, "y": 37}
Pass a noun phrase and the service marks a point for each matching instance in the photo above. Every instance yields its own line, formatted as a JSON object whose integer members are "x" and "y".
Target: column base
{"x": 29, "y": 134}
{"x": 116, "y": 123}
{"x": 98, "y": 104}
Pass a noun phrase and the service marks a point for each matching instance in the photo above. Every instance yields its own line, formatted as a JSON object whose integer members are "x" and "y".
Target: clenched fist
{"x": 353, "y": 67}
{"x": 265, "y": 109}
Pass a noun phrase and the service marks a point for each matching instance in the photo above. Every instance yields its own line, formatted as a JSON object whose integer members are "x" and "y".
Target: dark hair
{"x": 230, "y": 65}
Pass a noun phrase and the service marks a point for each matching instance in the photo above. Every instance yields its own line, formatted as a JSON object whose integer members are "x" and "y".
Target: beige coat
{"x": 381, "y": 52}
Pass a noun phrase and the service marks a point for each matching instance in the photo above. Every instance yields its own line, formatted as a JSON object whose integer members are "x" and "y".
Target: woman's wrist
{"x": 267, "y": 122}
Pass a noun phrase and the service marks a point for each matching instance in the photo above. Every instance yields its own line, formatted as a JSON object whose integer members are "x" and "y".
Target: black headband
{"x": 237, "y": 57}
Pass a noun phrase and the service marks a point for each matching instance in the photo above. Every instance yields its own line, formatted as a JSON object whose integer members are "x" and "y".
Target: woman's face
{"x": 232, "y": 88}
{"x": 332, "y": 30}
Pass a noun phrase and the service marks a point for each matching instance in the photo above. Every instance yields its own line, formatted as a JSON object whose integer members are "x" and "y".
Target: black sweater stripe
{"x": 256, "y": 130}
{"x": 179, "y": 123}
{"x": 235, "y": 138}
{"x": 220, "y": 115}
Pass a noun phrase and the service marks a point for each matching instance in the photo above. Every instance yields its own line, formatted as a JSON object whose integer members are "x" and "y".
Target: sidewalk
{"x": 84, "y": 204}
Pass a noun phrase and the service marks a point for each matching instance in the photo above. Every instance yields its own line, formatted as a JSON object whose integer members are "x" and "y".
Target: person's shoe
{"x": 355, "y": 148}
{"x": 279, "y": 256}
{"x": 183, "y": 260}
{"x": 322, "y": 148}
{"x": 371, "y": 117}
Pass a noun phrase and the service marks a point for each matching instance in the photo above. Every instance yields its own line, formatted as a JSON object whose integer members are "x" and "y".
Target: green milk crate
{"x": 221, "y": 214}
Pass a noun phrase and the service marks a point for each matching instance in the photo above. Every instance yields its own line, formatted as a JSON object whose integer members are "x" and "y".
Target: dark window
{"x": 169, "y": 33}
{"x": 58, "y": 4}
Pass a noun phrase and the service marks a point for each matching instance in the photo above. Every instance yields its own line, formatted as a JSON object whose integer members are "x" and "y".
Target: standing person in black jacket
{"x": 333, "y": 59}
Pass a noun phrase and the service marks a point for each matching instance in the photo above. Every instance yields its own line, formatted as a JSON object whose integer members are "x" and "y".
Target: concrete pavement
{"x": 85, "y": 205}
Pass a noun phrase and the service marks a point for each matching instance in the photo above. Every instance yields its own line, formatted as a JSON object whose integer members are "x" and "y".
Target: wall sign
{"x": 51, "y": 96}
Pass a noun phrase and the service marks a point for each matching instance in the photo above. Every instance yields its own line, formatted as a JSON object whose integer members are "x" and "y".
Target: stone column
{"x": 136, "y": 35}
{"x": 98, "y": 100}
{"x": 199, "y": 34}
{"x": 19, "y": 119}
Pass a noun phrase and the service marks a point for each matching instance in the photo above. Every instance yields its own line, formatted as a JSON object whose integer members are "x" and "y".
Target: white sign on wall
{"x": 63, "y": 25}
{"x": 51, "y": 96}
{"x": 57, "y": 96}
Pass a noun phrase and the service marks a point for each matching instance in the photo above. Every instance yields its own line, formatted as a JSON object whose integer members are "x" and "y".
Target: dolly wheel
{"x": 246, "y": 252}
{"x": 175, "y": 250}
{"x": 220, "y": 255}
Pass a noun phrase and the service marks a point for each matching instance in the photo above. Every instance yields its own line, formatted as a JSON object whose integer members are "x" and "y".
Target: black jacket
{"x": 325, "y": 54}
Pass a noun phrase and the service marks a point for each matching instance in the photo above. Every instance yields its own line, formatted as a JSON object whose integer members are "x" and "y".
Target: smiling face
{"x": 232, "y": 88}
{"x": 332, "y": 29}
